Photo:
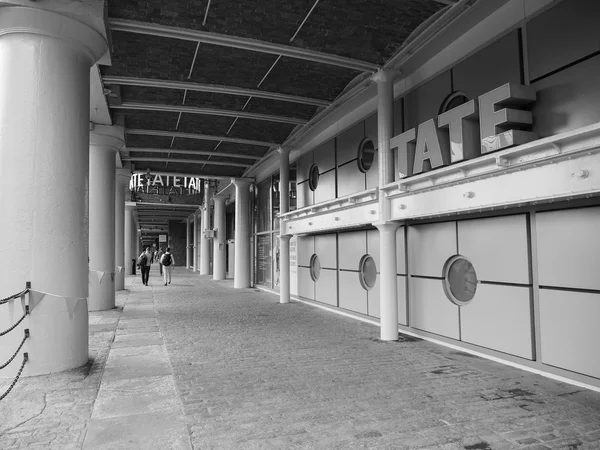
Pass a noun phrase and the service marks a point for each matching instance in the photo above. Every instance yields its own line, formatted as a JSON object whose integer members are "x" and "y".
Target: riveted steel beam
{"x": 206, "y": 137}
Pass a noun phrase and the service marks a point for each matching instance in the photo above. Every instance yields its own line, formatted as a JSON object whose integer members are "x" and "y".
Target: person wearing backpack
{"x": 144, "y": 261}
{"x": 167, "y": 262}
{"x": 158, "y": 258}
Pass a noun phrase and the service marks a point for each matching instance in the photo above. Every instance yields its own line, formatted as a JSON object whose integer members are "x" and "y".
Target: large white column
{"x": 204, "y": 241}
{"x": 105, "y": 141}
{"x": 130, "y": 237}
{"x": 219, "y": 242}
{"x": 241, "y": 277}
{"x": 195, "y": 254}
{"x": 284, "y": 241}
{"x": 187, "y": 243}
{"x": 45, "y": 61}
{"x": 121, "y": 187}
{"x": 388, "y": 286}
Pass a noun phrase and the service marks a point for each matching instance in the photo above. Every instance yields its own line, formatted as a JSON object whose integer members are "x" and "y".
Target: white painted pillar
{"x": 45, "y": 61}
{"x": 388, "y": 286}
{"x": 219, "y": 242}
{"x": 139, "y": 243}
{"x": 195, "y": 255}
{"x": 130, "y": 237}
{"x": 204, "y": 241}
{"x": 241, "y": 277}
{"x": 284, "y": 241}
{"x": 187, "y": 243}
{"x": 105, "y": 141}
{"x": 121, "y": 187}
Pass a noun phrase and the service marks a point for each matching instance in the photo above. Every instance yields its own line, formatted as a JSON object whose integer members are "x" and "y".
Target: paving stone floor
{"x": 197, "y": 364}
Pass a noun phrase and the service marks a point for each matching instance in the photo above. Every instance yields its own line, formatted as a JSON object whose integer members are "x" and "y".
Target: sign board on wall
{"x": 162, "y": 238}
{"x": 165, "y": 184}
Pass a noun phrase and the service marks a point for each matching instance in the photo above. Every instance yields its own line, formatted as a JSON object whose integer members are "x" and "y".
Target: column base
{"x": 102, "y": 293}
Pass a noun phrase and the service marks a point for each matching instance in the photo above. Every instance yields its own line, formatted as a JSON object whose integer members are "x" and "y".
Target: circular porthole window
{"x": 313, "y": 177}
{"x": 460, "y": 280}
{"x": 367, "y": 272}
{"x": 315, "y": 267}
{"x": 455, "y": 99}
{"x": 366, "y": 155}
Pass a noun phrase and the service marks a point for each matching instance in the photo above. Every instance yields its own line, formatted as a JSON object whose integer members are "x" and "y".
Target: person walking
{"x": 158, "y": 258}
{"x": 144, "y": 261}
{"x": 167, "y": 261}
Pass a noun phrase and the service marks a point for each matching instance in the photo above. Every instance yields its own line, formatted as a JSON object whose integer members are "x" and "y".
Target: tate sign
{"x": 457, "y": 135}
{"x": 165, "y": 184}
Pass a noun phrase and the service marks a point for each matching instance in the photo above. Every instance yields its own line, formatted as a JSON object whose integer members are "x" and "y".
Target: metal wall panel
{"x": 373, "y": 246}
{"x": 305, "y": 249}
{"x": 570, "y": 331}
{"x": 326, "y": 187}
{"x": 347, "y": 143}
{"x": 430, "y": 246}
{"x": 351, "y": 247}
{"x": 402, "y": 317}
{"x": 326, "y": 287}
{"x": 398, "y": 117}
{"x": 400, "y": 251}
{"x": 497, "y": 64}
{"x": 430, "y": 310}
{"x": 372, "y": 175}
{"x": 303, "y": 166}
{"x": 499, "y": 317}
{"x": 350, "y": 179}
{"x": 324, "y": 156}
{"x": 497, "y": 247}
{"x": 562, "y": 35}
{"x": 326, "y": 249}
{"x": 306, "y": 286}
{"x": 373, "y": 300}
{"x": 352, "y": 295}
{"x": 568, "y": 99}
{"x": 569, "y": 248}
{"x": 424, "y": 102}
{"x": 304, "y": 196}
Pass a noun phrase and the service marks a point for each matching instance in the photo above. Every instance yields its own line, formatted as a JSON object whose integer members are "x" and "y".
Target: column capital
{"x": 386, "y": 225}
{"x": 86, "y": 37}
{"x": 220, "y": 198}
{"x": 385, "y": 75}
{"x": 283, "y": 150}
{"x": 242, "y": 182}
{"x": 106, "y": 136}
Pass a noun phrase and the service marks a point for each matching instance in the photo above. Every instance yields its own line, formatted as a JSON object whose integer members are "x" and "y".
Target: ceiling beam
{"x": 190, "y": 152}
{"x": 206, "y": 137}
{"x": 215, "y": 89}
{"x": 253, "y": 45}
{"x": 187, "y": 161}
{"x": 447, "y": 2}
{"x": 208, "y": 112}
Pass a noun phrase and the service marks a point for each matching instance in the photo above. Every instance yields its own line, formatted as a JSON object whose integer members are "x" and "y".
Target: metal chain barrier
{"x": 26, "y": 332}
{"x": 12, "y": 385}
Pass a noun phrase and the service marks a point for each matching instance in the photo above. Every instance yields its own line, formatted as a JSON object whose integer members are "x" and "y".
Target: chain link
{"x": 15, "y": 354}
{"x": 14, "y": 326}
{"x": 12, "y": 297}
{"x": 25, "y": 359}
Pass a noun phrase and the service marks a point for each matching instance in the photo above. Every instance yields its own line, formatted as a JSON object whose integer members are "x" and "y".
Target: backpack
{"x": 142, "y": 260}
{"x": 167, "y": 260}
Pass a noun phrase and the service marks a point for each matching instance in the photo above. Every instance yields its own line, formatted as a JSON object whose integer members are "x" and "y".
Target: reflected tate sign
{"x": 457, "y": 135}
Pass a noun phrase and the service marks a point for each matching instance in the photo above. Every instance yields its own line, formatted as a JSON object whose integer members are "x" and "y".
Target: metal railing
{"x": 25, "y": 337}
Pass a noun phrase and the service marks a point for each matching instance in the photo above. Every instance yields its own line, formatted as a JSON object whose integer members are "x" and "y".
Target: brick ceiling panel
{"x": 194, "y": 144}
{"x": 228, "y": 159}
{"x": 296, "y": 77}
{"x": 269, "y": 20}
{"x": 215, "y": 100}
{"x": 205, "y": 124}
{"x": 276, "y": 107}
{"x": 242, "y": 149}
{"x": 368, "y": 30}
{"x": 142, "y": 94}
{"x": 261, "y": 130}
{"x": 145, "y": 56}
{"x": 150, "y": 120}
{"x": 230, "y": 66}
{"x": 138, "y": 140}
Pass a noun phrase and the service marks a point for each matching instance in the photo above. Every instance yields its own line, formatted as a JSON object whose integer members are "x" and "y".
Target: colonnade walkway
{"x": 197, "y": 364}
